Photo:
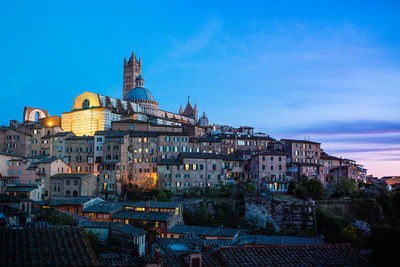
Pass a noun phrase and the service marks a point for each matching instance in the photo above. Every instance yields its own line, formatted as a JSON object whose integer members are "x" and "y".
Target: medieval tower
{"x": 132, "y": 69}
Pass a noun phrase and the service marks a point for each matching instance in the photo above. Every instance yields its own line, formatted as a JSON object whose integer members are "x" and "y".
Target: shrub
{"x": 315, "y": 188}
{"x": 301, "y": 192}
{"x": 349, "y": 233}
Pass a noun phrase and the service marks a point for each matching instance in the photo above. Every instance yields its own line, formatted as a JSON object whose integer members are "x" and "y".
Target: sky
{"x": 328, "y": 71}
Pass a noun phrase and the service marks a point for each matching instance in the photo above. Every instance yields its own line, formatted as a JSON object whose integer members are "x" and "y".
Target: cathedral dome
{"x": 139, "y": 94}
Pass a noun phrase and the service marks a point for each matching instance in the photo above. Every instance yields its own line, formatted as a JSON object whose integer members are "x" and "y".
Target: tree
{"x": 250, "y": 187}
{"x": 220, "y": 214}
{"x": 345, "y": 186}
{"x": 349, "y": 233}
{"x": 301, "y": 191}
{"x": 55, "y": 217}
{"x": 94, "y": 240}
{"x": 201, "y": 214}
{"x": 162, "y": 196}
{"x": 315, "y": 188}
{"x": 292, "y": 187}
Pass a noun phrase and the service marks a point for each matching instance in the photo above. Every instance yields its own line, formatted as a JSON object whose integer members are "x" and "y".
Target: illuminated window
{"x": 177, "y": 211}
{"x": 85, "y": 104}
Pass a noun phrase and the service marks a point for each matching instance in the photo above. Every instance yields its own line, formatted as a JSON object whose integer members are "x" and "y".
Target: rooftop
{"x": 317, "y": 255}
{"x": 300, "y": 141}
{"x": 65, "y": 201}
{"x": 139, "y": 215}
{"x": 45, "y": 247}
{"x": 70, "y": 175}
{"x": 119, "y": 227}
{"x": 278, "y": 240}
{"x": 204, "y": 231}
{"x": 104, "y": 207}
{"x": 21, "y": 188}
{"x": 152, "y": 204}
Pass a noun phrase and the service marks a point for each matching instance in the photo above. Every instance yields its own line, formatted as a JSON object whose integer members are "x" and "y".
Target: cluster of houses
{"x": 46, "y": 163}
{"x": 80, "y": 163}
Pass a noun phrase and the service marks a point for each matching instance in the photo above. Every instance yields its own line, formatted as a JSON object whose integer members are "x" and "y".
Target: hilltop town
{"x": 127, "y": 183}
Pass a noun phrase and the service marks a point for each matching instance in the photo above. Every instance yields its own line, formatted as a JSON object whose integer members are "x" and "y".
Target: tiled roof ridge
{"x": 250, "y": 246}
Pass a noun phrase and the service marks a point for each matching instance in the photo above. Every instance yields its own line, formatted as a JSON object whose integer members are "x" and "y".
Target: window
{"x": 85, "y": 104}
{"x": 272, "y": 167}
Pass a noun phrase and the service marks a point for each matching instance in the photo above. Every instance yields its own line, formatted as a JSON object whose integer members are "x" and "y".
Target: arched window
{"x": 85, "y": 104}
{"x": 67, "y": 193}
{"x": 75, "y": 193}
{"x": 37, "y": 116}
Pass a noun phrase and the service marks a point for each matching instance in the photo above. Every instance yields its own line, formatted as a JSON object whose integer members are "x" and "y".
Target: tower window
{"x": 85, "y": 104}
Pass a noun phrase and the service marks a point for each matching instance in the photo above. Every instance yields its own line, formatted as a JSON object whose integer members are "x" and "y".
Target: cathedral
{"x": 93, "y": 112}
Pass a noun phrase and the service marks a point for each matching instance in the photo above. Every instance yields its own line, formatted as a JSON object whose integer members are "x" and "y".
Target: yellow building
{"x": 93, "y": 112}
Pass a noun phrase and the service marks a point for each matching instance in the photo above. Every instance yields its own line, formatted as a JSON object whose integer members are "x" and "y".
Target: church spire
{"x": 132, "y": 69}
{"x": 195, "y": 111}
{"x": 180, "y": 110}
{"x": 133, "y": 58}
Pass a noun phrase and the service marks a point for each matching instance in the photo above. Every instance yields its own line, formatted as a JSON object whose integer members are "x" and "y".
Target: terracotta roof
{"x": 152, "y": 204}
{"x": 141, "y": 216}
{"x": 46, "y": 247}
{"x": 316, "y": 255}
{"x": 104, "y": 207}
{"x": 118, "y": 227}
{"x": 279, "y": 240}
{"x": 392, "y": 181}
{"x": 204, "y": 231}
{"x": 300, "y": 141}
{"x": 70, "y": 175}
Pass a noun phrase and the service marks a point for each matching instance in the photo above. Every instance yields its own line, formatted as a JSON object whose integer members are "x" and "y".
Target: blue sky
{"x": 330, "y": 72}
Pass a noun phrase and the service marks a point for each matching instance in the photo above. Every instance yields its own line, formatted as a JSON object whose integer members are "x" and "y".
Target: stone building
{"x": 156, "y": 216}
{"x": 303, "y": 158}
{"x": 58, "y": 144}
{"x": 198, "y": 170}
{"x": 47, "y": 167}
{"x": 79, "y": 153}
{"x": 15, "y": 140}
{"x": 268, "y": 168}
{"x": 73, "y": 185}
{"x": 112, "y": 161}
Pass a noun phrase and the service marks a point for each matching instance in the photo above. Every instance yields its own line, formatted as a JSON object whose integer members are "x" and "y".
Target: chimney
{"x": 195, "y": 259}
{"x": 157, "y": 254}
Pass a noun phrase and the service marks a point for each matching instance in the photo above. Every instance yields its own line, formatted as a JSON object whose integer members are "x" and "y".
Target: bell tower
{"x": 132, "y": 69}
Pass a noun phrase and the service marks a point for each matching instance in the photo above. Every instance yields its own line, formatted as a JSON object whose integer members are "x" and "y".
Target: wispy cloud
{"x": 349, "y": 127}
{"x": 197, "y": 42}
